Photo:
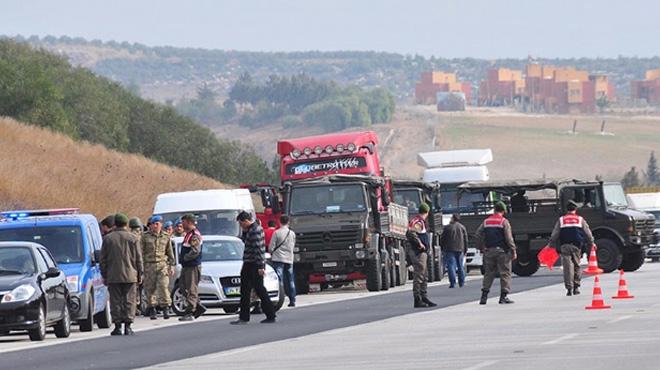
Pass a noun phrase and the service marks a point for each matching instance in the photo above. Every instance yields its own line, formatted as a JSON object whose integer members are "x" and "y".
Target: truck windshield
{"x": 409, "y": 198}
{"x": 217, "y": 222}
{"x": 450, "y": 203}
{"x": 63, "y": 242}
{"x": 614, "y": 195}
{"x": 327, "y": 199}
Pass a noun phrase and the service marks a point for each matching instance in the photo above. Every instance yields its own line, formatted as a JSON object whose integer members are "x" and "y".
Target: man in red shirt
{"x": 269, "y": 232}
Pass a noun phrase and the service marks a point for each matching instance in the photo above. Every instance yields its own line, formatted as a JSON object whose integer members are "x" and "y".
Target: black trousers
{"x": 250, "y": 279}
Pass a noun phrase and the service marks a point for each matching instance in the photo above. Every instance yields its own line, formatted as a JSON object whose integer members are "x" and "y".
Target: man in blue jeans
{"x": 454, "y": 242}
{"x": 281, "y": 251}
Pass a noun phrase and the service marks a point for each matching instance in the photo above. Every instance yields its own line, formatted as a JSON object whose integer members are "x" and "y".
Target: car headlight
{"x": 206, "y": 279}
{"x": 20, "y": 293}
{"x": 72, "y": 282}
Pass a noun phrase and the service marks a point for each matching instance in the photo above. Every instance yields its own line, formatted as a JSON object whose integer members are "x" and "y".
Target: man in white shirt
{"x": 281, "y": 250}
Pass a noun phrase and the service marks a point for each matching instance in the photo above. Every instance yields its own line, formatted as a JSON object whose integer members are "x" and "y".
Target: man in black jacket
{"x": 454, "y": 242}
{"x": 253, "y": 270}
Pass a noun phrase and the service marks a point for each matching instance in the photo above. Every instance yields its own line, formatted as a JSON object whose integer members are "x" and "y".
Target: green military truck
{"x": 347, "y": 228}
{"x": 621, "y": 234}
{"x": 413, "y": 193}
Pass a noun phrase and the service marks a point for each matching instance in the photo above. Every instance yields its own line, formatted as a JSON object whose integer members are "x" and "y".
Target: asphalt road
{"x": 179, "y": 342}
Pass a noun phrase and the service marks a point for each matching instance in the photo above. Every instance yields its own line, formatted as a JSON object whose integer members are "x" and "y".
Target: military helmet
{"x": 135, "y": 223}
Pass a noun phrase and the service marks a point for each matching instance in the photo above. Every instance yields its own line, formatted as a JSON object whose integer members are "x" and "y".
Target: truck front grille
{"x": 646, "y": 227}
{"x": 336, "y": 239}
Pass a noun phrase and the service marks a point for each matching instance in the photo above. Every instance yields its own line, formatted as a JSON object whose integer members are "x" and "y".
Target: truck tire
{"x": 430, "y": 271}
{"x": 632, "y": 261}
{"x": 403, "y": 266}
{"x": 302, "y": 284}
{"x": 386, "y": 272}
{"x": 526, "y": 267}
{"x": 87, "y": 324}
{"x": 373, "y": 272}
{"x": 438, "y": 269}
{"x": 609, "y": 255}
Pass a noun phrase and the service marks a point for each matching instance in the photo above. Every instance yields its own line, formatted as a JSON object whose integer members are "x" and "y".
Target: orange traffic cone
{"x": 623, "y": 288}
{"x": 597, "y": 302}
{"x": 593, "y": 263}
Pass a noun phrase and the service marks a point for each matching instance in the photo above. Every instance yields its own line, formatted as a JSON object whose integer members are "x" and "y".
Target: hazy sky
{"x": 448, "y": 28}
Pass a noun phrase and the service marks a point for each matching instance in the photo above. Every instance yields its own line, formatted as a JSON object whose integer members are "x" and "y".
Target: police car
{"x": 74, "y": 241}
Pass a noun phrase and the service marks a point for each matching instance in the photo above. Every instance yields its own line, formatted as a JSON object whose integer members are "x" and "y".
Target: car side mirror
{"x": 52, "y": 273}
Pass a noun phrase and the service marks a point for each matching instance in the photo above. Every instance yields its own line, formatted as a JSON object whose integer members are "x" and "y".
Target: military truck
{"x": 413, "y": 193}
{"x": 621, "y": 234}
{"x": 347, "y": 228}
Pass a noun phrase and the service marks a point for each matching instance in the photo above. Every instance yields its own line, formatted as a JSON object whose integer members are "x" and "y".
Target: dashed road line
{"x": 481, "y": 365}
{"x": 561, "y": 339}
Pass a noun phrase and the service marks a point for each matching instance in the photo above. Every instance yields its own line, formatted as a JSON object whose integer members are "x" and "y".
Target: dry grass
{"x": 41, "y": 169}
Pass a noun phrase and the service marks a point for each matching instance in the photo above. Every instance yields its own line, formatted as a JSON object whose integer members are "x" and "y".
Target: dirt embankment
{"x": 42, "y": 169}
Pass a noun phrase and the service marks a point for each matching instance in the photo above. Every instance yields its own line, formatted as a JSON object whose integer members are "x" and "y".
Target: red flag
{"x": 548, "y": 256}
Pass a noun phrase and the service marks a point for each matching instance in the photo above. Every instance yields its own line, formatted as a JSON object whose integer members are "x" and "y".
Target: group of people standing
{"x": 133, "y": 257}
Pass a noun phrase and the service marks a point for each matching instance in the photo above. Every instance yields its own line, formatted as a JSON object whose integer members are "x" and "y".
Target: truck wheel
{"x": 430, "y": 271}
{"x": 374, "y": 276}
{"x": 526, "y": 267}
{"x": 403, "y": 265}
{"x": 632, "y": 261}
{"x": 102, "y": 318}
{"x": 302, "y": 284}
{"x": 386, "y": 271}
{"x": 609, "y": 255}
{"x": 87, "y": 324}
{"x": 438, "y": 269}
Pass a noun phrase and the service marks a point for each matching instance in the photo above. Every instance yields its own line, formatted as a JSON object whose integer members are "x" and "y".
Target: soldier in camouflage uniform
{"x": 136, "y": 227}
{"x": 158, "y": 266}
{"x": 178, "y": 229}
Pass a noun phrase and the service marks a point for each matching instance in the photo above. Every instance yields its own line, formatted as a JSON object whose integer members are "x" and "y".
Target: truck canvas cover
{"x": 509, "y": 187}
{"x": 455, "y": 158}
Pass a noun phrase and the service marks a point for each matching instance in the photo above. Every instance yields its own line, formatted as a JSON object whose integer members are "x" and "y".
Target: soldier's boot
{"x": 118, "y": 329}
{"x": 166, "y": 312}
{"x": 484, "y": 297}
{"x": 153, "y": 314}
{"x": 127, "y": 329}
{"x": 569, "y": 292}
{"x": 187, "y": 315}
{"x": 504, "y": 299}
{"x": 428, "y": 302}
{"x": 199, "y": 310}
{"x": 576, "y": 291}
{"x": 419, "y": 303}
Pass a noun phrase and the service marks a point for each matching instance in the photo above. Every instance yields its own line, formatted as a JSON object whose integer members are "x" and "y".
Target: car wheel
{"x": 103, "y": 319}
{"x": 63, "y": 327}
{"x": 231, "y": 309}
{"x": 178, "y": 302}
{"x": 87, "y": 324}
{"x": 39, "y": 333}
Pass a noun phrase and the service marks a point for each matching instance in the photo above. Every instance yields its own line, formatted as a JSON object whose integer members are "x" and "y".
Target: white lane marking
{"x": 481, "y": 365}
{"x": 619, "y": 319}
{"x": 561, "y": 339}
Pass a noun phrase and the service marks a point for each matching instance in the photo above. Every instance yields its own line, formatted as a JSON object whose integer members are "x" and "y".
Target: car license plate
{"x": 329, "y": 264}
{"x": 233, "y": 291}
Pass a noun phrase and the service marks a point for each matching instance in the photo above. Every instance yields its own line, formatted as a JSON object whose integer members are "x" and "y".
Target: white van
{"x": 216, "y": 210}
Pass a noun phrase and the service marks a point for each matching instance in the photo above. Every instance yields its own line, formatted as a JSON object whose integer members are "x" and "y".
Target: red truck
{"x": 341, "y": 209}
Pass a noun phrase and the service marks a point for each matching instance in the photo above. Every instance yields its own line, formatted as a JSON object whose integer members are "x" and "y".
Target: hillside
{"x": 169, "y": 73}
{"x": 42, "y": 169}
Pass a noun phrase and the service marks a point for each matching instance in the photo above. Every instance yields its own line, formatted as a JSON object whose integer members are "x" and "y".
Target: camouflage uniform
{"x": 158, "y": 259}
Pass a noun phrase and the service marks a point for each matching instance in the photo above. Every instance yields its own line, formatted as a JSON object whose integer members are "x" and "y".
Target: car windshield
{"x": 615, "y": 196}
{"x": 221, "y": 250}
{"x": 64, "y": 242}
{"x": 16, "y": 261}
{"x": 410, "y": 198}
{"x": 218, "y": 222}
{"x": 327, "y": 199}
{"x": 450, "y": 203}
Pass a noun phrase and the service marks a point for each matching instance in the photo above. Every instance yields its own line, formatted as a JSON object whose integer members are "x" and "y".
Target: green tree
{"x": 652, "y": 176}
{"x": 631, "y": 178}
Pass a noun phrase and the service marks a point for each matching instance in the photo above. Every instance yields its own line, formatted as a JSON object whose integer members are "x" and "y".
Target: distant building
{"x": 432, "y": 83}
{"x": 564, "y": 90}
{"x": 647, "y": 89}
{"x": 501, "y": 87}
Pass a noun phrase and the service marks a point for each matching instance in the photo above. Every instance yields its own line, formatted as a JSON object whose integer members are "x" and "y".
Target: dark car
{"x": 33, "y": 291}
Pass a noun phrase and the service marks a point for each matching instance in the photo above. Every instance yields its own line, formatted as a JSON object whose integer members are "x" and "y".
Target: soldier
{"x": 136, "y": 227}
{"x": 178, "y": 229}
{"x": 168, "y": 228}
{"x": 121, "y": 269}
{"x": 190, "y": 259}
{"x": 495, "y": 240}
{"x": 570, "y": 235}
{"x": 107, "y": 225}
{"x": 158, "y": 266}
{"x": 418, "y": 239}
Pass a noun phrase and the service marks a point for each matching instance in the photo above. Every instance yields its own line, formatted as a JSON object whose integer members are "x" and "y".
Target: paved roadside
{"x": 544, "y": 329}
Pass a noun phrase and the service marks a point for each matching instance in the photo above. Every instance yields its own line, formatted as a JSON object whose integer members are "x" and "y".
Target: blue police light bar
{"x": 14, "y": 215}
